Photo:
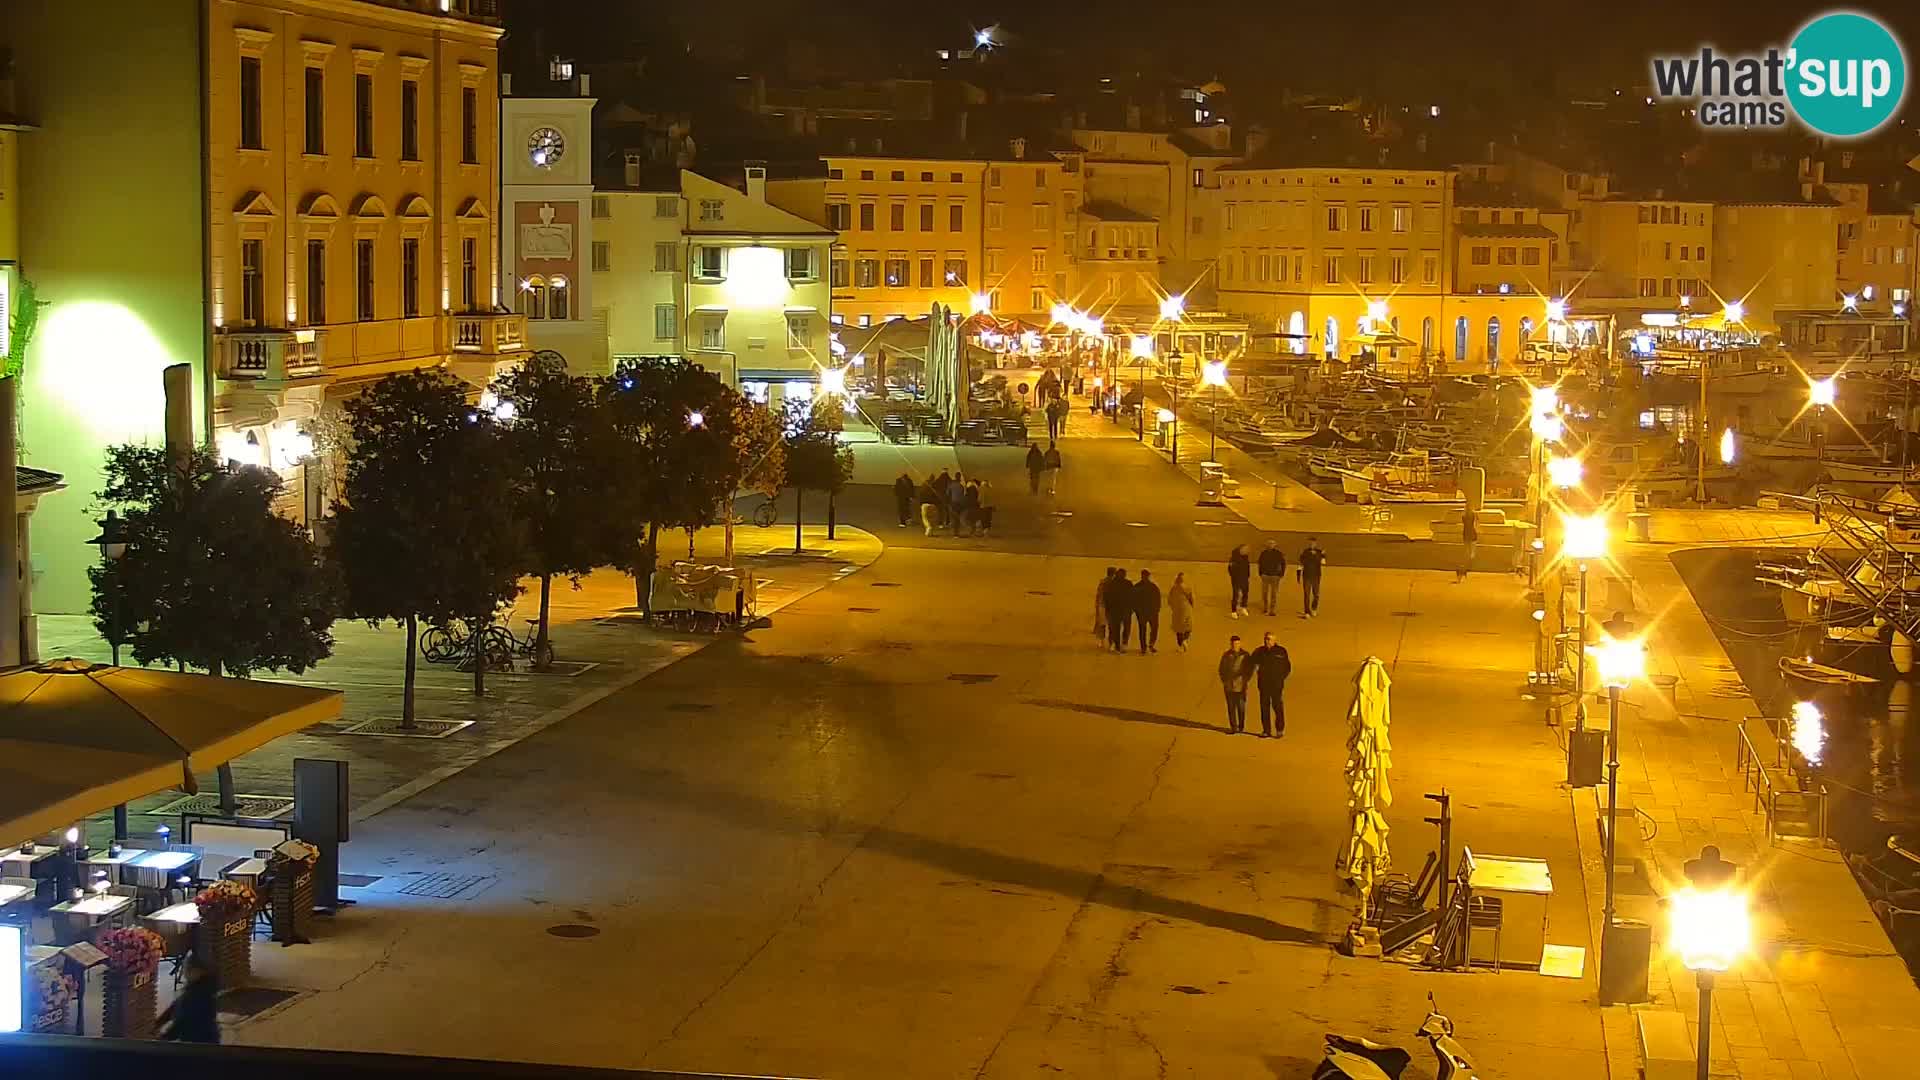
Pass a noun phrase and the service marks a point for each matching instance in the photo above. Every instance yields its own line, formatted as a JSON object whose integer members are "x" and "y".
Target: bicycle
{"x": 767, "y": 513}
{"x": 457, "y": 644}
{"x": 531, "y": 647}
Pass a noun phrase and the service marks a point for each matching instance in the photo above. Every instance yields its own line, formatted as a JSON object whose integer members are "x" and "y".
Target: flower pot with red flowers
{"x": 225, "y": 934}
{"x": 133, "y": 955}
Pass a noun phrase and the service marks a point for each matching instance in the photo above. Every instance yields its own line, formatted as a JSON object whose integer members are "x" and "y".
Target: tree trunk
{"x": 406, "y": 687}
{"x": 228, "y": 804}
{"x": 799, "y": 515}
{"x": 540, "y": 636}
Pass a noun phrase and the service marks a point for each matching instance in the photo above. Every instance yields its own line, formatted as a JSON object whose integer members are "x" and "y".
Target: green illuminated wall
{"x": 112, "y": 216}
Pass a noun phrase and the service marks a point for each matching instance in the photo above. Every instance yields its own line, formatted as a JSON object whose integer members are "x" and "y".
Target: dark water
{"x": 1871, "y": 766}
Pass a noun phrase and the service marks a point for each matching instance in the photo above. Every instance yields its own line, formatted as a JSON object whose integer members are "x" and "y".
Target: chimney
{"x": 757, "y": 181}
{"x": 1019, "y": 148}
{"x": 586, "y": 84}
{"x": 632, "y": 174}
{"x": 506, "y": 84}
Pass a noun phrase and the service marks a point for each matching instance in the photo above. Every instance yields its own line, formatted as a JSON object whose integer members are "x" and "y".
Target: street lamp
{"x": 696, "y": 419}
{"x": 1564, "y": 472}
{"x": 1583, "y": 540}
{"x": 1173, "y": 307}
{"x": 980, "y": 304}
{"x": 1734, "y": 312}
{"x": 1177, "y": 361}
{"x": 1820, "y": 394}
{"x": 112, "y": 543}
{"x": 1621, "y": 662}
{"x": 1214, "y": 374}
{"x": 1710, "y": 930}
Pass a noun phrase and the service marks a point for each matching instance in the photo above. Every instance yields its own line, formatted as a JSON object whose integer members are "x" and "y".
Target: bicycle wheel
{"x": 438, "y": 646}
{"x": 500, "y": 648}
{"x": 542, "y": 654}
{"x": 766, "y": 514}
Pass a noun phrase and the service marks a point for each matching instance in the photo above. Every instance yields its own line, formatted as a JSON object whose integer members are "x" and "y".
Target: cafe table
{"x": 175, "y": 924}
{"x": 17, "y": 863}
{"x": 246, "y": 870}
{"x": 77, "y": 920}
{"x": 16, "y": 894}
{"x": 105, "y": 859}
{"x": 159, "y": 869}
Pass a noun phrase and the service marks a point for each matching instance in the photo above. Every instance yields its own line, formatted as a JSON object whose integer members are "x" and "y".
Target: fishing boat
{"x": 1868, "y": 472}
{"x": 1808, "y": 677}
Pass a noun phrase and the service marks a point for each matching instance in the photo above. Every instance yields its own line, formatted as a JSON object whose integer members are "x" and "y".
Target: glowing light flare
{"x": 1556, "y": 310}
{"x": 1061, "y": 314}
{"x": 1142, "y": 346}
{"x": 1727, "y": 447}
{"x": 1734, "y": 312}
{"x": 1849, "y": 302}
{"x": 1820, "y": 392}
{"x": 1377, "y": 310}
{"x": 1584, "y": 537}
{"x": 1546, "y": 399}
{"x": 1547, "y": 427}
{"x": 757, "y": 277}
{"x": 238, "y": 446}
{"x": 1809, "y": 731}
{"x": 13, "y": 977}
{"x": 102, "y": 362}
{"x": 1173, "y": 307}
{"x": 1214, "y": 373}
{"x": 696, "y": 419}
{"x": 1564, "y": 472}
{"x": 1710, "y": 927}
{"x": 833, "y": 381}
{"x": 1620, "y": 662}
{"x": 980, "y": 303}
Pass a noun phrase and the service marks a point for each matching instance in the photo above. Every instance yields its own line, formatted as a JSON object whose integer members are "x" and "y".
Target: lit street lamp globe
{"x": 1710, "y": 927}
{"x": 1214, "y": 373}
{"x": 1820, "y": 392}
{"x": 1585, "y": 537}
{"x": 1620, "y": 662}
{"x": 1564, "y": 472}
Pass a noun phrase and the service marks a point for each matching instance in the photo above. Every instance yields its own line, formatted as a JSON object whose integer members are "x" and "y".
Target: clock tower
{"x": 546, "y": 211}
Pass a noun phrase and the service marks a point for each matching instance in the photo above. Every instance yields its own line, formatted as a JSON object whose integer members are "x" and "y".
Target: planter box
{"x": 128, "y": 1006}
{"x": 228, "y": 943}
{"x": 291, "y": 897}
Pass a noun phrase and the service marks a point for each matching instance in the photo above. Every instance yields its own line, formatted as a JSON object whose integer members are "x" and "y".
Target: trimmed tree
{"x": 673, "y": 432}
{"x": 211, "y": 578}
{"x": 555, "y": 437}
{"x": 815, "y": 458}
{"x": 426, "y": 531}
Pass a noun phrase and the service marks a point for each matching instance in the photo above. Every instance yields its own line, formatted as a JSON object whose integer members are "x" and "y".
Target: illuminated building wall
{"x": 645, "y": 268}
{"x": 1651, "y": 250}
{"x": 756, "y": 302}
{"x": 1876, "y": 249}
{"x": 1028, "y": 263}
{"x": 1172, "y": 178}
{"x": 189, "y": 207}
{"x": 1777, "y": 257}
{"x": 910, "y": 233}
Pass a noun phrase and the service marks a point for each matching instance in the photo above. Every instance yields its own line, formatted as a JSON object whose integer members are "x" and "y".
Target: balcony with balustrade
{"x": 267, "y": 354}
{"x": 489, "y": 333}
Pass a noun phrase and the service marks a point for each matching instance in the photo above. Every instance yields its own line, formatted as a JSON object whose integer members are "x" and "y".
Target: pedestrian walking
{"x": 1146, "y": 610}
{"x": 1052, "y": 462}
{"x": 194, "y": 1015}
{"x": 1234, "y": 669}
{"x": 1273, "y": 570}
{"x": 1469, "y": 542}
{"x": 1100, "y": 606}
{"x": 940, "y": 485}
{"x": 1119, "y": 609}
{"x": 1311, "y": 560}
{"x": 1036, "y": 464}
{"x": 1053, "y": 418}
{"x": 1180, "y": 610}
{"x": 977, "y": 506}
{"x": 1271, "y": 666}
{"x": 903, "y": 493}
{"x": 1239, "y": 577}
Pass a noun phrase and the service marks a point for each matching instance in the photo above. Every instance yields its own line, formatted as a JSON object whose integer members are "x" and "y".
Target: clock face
{"x": 545, "y": 147}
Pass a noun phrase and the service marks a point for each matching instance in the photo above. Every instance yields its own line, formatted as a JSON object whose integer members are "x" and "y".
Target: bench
{"x": 1666, "y": 1050}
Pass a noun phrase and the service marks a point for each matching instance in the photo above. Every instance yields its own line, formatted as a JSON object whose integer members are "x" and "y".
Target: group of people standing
{"x": 946, "y": 500}
{"x": 1121, "y": 606}
{"x": 1273, "y": 569}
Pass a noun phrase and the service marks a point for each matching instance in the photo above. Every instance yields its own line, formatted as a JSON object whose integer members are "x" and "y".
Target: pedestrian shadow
{"x": 1115, "y": 712}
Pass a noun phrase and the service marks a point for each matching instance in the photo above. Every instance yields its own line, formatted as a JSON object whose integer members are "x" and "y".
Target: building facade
{"x": 548, "y": 247}
{"x": 1777, "y": 257}
{"x": 314, "y": 208}
{"x": 640, "y": 268}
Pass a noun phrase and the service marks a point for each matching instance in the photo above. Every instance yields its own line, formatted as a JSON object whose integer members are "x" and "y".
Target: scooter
{"x": 1350, "y": 1058}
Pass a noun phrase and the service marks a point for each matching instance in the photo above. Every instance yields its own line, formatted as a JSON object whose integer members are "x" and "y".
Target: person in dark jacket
{"x": 940, "y": 485}
{"x": 194, "y": 1015}
{"x": 1234, "y": 664}
{"x": 1311, "y": 560}
{"x": 1469, "y": 542}
{"x": 1036, "y": 464}
{"x": 903, "y": 493}
{"x": 1119, "y": 607}
{"x": 1240, "y": 576}
{"x": 1051, "y": 460}
{"x": 1146, "y": 609}
{"x": 1273, "y": 568}
{"x": 1271, "y": 666}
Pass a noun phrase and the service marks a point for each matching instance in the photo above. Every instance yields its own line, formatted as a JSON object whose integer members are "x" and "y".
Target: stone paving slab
{"x": 596, "y": 626}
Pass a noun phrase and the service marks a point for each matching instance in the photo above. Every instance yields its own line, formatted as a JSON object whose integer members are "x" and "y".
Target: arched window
{"x": 1426, "y": 336}
{"x": 1333, "y": 338}
{"x": 1493, "y": 343}
{"x": 1297, "y": 326}
{"x": 559, "y": 299}
{"x": 1526, "y": 329}
{"x": 534, "y": 297}
{"x": 1460, "y": 339}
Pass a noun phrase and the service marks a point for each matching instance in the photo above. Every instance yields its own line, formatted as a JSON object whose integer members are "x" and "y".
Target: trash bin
{"x": 1640, "y": 526}
{"x": 1161, "y": 432}
{"x": 1626, "y": 951}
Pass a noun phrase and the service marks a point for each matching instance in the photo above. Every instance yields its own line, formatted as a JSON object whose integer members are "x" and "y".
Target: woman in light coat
{"x": 1100, "y": 608}
{"x": 1180, "y": 610}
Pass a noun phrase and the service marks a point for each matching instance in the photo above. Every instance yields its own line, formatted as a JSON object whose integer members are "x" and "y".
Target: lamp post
{"x": 1176, "y": 361}
{"x": 833, "y": 386}
{"x": 1621, "y": 662}
{"x": 1710, "y": 930}
{"x": 1585, "y": 539}
{"x": 112, "y": 543}
{"x": 1214, "y": 374}
{"x": 1820, "y": 394}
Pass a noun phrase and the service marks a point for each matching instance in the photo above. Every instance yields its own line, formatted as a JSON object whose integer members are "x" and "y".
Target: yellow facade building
{"x": 1776, "y": 257}
{"x": 314, "y": 206}
{"x": 1876, "y": 239}
{"x": 1656, "y": 251}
